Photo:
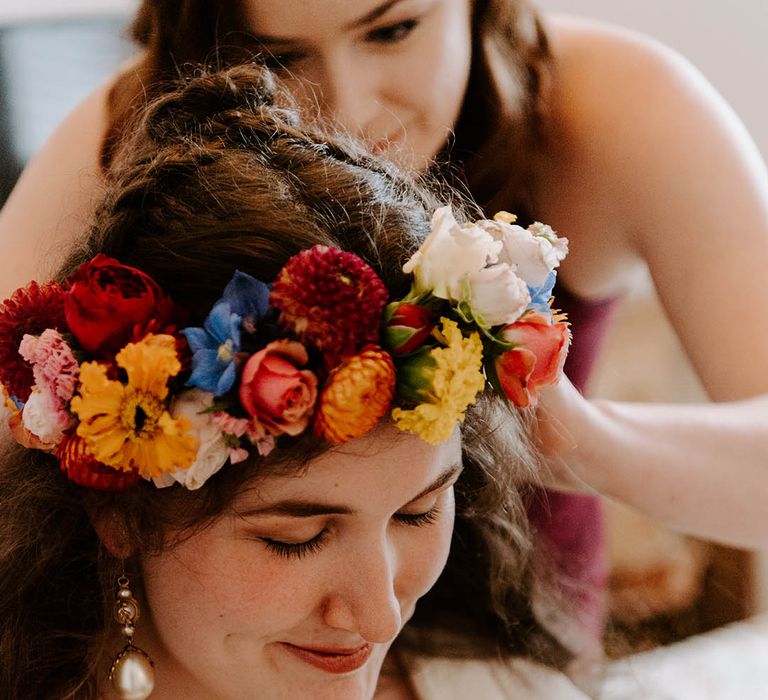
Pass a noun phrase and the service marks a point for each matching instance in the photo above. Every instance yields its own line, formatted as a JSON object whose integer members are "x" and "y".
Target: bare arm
{"x": 662, "y": 172}
{"x": 54, "y": 198}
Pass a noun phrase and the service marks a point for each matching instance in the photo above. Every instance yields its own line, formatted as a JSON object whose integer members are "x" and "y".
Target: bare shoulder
{"x": 606, "y": 72}
{"x": 629, "y": 117}
{"x": 55, "y": 195}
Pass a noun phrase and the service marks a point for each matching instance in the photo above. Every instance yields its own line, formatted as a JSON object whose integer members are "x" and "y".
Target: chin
{"x": 349, "y": 688}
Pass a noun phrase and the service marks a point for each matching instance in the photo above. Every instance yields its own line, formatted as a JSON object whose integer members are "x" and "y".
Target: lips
{"x": 332, "y": 660}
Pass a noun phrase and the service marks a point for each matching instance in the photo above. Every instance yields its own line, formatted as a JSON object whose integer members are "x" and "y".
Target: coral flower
{"x": 537, "y": 359}
{"x": 451, "y": 379}
{"x": 358, "y": 394}
{"x": 30, "y": 309}
{"x": 127, "y": 426}
{"x": 330, "y": 298}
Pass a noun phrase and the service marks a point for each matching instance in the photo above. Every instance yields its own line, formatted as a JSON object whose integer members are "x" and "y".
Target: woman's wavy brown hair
{"x": 217, "y": 176}
{"x": 500, "y": 131}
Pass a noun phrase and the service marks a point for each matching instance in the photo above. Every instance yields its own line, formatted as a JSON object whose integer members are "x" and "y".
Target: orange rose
{"x": 273, "y": 389}
{"x": 537, "y": 359}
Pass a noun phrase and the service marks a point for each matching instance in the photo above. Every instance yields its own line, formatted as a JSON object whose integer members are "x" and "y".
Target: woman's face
{"x": 391, "y": 71}
{"x": 299, "y": 591}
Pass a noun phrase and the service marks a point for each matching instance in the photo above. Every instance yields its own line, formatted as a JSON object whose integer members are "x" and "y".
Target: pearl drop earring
{"x": 132, "y": 673}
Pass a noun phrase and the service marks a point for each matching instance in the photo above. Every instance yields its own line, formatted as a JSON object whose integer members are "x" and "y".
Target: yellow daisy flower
{"x": 455, "y": 379}
{"x": 127, "y": 426}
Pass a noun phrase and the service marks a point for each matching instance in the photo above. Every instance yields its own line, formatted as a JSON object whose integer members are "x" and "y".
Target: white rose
{"x": 534, "y": 251}
{"x": 212, "y": 451}
{"x": 497, "y": 295}
{"x": 44, "y": 419}
{"x": 449, "y": 253}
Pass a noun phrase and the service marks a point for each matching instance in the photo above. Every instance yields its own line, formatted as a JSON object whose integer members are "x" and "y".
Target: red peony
{"x": 332, "y": 299}
{"x": 109, "y": 304}
{"x": 30, "y": 309}
{"x": 275, "y": 391}
{"x": 537, "y": 359}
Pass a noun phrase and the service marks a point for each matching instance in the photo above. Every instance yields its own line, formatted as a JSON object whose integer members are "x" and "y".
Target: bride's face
{"x": 299, "y": 591}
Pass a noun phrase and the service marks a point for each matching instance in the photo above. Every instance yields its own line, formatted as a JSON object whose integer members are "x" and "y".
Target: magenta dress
{"x": 570, "y": 527}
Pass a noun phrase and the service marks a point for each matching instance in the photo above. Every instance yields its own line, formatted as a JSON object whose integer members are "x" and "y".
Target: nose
{"x": 349, "y": 92}
{"x": 363, "y": 600}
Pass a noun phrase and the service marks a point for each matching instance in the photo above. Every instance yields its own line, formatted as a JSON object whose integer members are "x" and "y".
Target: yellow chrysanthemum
{"x": 127, "y": 426}
{"x": 456, "y": 381}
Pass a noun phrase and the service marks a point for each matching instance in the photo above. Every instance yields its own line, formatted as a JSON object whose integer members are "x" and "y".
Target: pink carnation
{"x": 54, "y": 366}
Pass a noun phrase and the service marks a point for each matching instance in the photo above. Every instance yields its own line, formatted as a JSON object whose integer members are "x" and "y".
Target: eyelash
{"x": 289, "y": 550}
{"x": 280, "y": 61}
{"x": 390, "y": 34}
{"x": 393, "y": 33}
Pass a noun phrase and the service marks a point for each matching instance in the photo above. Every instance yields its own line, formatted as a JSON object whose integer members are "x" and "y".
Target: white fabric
{"x": 470, "y": 679}
{"x": 730, "y": 663}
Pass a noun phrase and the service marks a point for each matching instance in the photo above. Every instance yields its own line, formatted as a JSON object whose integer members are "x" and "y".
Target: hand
{"x": 563, "y": 420}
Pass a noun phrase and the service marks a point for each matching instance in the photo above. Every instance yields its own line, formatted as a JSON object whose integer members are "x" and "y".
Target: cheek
{"x": 424, "y": 555}
{"x": 233, "y": 590}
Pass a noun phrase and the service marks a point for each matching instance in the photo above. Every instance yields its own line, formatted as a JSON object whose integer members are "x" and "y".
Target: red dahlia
{"x": 330, "y": 298}
{"x": 30, "y": 309}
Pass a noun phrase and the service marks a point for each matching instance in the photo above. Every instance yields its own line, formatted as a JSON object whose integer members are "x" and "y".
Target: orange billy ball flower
{"x": 359, "y": 392}
{"x": 84, "y": 469}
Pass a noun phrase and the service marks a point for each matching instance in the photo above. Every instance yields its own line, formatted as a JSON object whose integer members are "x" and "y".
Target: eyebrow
{"x": 367, "y": 19}
{"x": 308, "y": 509}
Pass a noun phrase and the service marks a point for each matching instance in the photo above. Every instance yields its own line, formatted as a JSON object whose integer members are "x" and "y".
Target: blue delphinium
{"x": 215, "y": 345}
{"x": 541, "y": 295}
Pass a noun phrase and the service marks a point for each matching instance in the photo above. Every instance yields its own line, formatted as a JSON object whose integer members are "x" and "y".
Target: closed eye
{"x": 297, "y": 550}
{"x": 418, "y": 519}
{"x": 393, "y": 33}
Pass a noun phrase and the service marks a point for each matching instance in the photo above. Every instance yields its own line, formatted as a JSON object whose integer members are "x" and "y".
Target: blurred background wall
{"x": 52, "y": 54}
{"x": 726, "y": 39}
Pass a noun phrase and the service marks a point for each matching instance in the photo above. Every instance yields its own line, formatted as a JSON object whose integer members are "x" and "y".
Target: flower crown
{"x": 101, "y": 372}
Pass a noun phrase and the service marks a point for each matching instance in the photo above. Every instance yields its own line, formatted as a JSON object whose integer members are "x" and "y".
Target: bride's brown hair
{"x": 218, "y": 176}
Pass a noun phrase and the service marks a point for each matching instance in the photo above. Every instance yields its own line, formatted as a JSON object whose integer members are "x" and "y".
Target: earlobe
{"x": 111, "y": 530}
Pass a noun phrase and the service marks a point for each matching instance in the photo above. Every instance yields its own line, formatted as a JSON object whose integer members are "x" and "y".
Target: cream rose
{"x": 496, "y": 295}
{"x": 534, "y": 251}
{"x": 449, "y": 254}
{"x": 212, "y": 451}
